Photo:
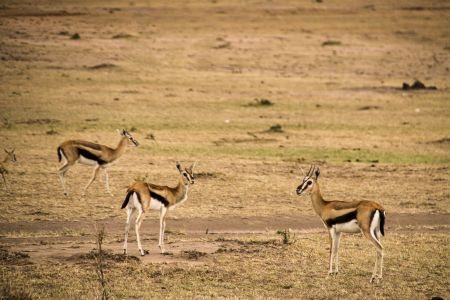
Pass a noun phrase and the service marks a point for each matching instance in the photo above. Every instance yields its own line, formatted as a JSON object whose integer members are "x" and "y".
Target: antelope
{"x": 146, "y": 196}
{"x": 339, "y": 217}
{"x": 87, "y": 153}
{"x": 10, "y": 157}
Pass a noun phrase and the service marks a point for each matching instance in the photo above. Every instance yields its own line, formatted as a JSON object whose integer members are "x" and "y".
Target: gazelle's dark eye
{"x": 309, "y": 183}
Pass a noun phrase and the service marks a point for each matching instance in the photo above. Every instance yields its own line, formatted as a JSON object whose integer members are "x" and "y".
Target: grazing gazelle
{"x": 92, "y": 154}
{"x": 146, "y": 196}
{"x": 346, "y": 217}
{"x": 10, "y": 157}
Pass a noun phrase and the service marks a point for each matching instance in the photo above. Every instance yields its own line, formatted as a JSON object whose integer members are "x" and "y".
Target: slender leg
{"x": 4, "y": 181}
{"x": 379, "y": 258}
{"x": 162, "y": 227}
{"x": 336, "y": 252}
{"x": 139, "y": 219}
{"x": 105, "y": 171}
{"x": 332, "y": 232}
{"x": 130, "y": 211}
{"x": 96, "y": 170}
{"x": 62, "y": 172}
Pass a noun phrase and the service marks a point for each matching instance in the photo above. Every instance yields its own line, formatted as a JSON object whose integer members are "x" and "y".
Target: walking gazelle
{"x": 10, "y": 157}
{"x": 92, "y": 154}
{"x": 146, "y": 196}
{"x": 340, "y": 217}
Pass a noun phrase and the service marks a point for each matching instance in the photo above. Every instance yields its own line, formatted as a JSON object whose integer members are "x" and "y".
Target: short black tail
{"x": 59, "y": 153}
{"x": 127, "y": 198}
{"x": 382, "y": 220}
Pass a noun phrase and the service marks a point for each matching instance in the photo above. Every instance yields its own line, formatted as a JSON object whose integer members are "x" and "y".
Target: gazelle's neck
{"x": 181, "y": 190}
{"x": 120, "y": 149}
{"x": 316, "y": 199}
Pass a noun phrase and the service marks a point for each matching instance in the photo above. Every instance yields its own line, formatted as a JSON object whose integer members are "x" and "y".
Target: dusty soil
{"x": 183, "y": 235}
{"x": 187, "y": 79}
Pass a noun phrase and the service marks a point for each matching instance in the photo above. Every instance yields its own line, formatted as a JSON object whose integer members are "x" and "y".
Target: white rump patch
{"x": 348, "y": 227}
{"x": 136, "y": 202}
{"x": 375, "y": 225}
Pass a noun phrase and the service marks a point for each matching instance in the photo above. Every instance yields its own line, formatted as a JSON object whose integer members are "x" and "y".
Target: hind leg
{"x": 130, "y": 211}
{"x": 139, "y": 220}
{"x": 378, "y": 266}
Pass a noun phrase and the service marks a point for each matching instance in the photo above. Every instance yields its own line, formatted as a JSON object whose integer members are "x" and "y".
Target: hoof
{"x": 125, "y": 252}
{"x": 375, "y": 279}
{"x": 144, "y": 252}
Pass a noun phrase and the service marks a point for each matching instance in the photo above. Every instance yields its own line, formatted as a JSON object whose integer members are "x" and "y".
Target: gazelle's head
{"x": 11, "y": 155}
{"x": 309, "y": 180}
{"x": 187, "y": 173}
{"x": 126, "y": 134}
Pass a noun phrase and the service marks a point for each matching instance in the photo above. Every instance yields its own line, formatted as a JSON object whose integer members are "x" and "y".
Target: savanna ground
{"x": 187, "y": 79}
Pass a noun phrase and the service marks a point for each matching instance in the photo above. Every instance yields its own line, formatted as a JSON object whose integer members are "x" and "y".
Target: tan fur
{"x": 172, "y": 196}
{"x": 100, "y": 156}
{"x": 10, "y": 157}
{"x": 329, "y": 211}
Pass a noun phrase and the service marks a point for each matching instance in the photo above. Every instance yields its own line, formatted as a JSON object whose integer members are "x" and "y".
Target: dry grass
{"x": 262, "y": 267}
{"x": 182, "y": 83}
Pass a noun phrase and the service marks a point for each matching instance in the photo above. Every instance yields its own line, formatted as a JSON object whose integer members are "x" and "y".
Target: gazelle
{"x": 340, "y": 217}
{"x": 92, "y": 154}
{"x": 146, "y": 196}
{"x": 10, "y": 157}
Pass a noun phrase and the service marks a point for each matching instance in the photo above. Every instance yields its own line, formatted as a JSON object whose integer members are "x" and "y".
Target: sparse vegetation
{"x": 186, "y": 80}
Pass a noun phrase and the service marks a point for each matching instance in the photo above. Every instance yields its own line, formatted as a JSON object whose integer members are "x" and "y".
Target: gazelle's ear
{"x": 192, "y": 166}
{"x": 317, "y": 173}
{"x": 178, "y": 166}
{"x": 12, "y": 151}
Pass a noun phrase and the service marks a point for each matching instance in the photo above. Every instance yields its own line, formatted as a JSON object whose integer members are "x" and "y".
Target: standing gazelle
{"x": 350, "y": 217}
{"x": 92, "y": 154}
{"x": 150, "y": 196}
{"x": 10, "y": 157}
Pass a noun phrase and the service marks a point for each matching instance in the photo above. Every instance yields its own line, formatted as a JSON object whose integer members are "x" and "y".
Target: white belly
{"x": 349, "y": 227}
{"x": 85, "y": 161}
{"x": 155, "y": 204}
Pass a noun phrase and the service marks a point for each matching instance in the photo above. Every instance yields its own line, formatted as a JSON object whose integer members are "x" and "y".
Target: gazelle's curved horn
{"x": 309, "y": 171}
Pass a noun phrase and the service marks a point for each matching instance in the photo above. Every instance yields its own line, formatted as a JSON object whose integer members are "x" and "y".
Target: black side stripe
{"x": 341, "y": 219}
{"x": 159, "y": 198}
{"x": 91, "y": 156}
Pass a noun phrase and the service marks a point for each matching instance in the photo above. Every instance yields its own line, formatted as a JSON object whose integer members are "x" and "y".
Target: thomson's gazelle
{"x": 10, "y": 157}
{"x": 145, "y": 196}
{"x": 367, "y": 217}
{"x": 92, "y": 154}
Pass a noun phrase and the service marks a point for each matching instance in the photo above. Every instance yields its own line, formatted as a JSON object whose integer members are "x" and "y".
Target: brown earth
{"x": 185, "y": 78}
{"x": 183, "y": 235}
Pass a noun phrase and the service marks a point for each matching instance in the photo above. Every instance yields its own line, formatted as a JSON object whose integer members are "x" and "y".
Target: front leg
{"x": 4, "y": 181}
{"x": 96, "y": 171}
{"x": 333, "y": 238}
{"x": 162, "y": 227}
